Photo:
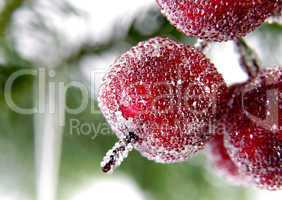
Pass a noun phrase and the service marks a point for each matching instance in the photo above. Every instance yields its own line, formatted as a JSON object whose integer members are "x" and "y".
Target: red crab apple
{"x": 253, "y": 129}
{"x": 217, "y": 20}
{"x": 221, "y": 161}
{"x": 217, "y": 153}
{"x": 159, "y": 98}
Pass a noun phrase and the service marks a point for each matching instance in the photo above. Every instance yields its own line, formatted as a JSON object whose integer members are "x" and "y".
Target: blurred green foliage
{"x": 17, "y": 169}
{"x": 5, "y": 16}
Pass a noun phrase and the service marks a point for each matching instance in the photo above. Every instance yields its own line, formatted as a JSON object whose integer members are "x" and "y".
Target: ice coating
{"x": 221, "y": 161}
{"x": 216, "y": 152}
{"x": 253, "y": 129}
{"x": 217, "y": 20}
{"x": 277, "y": 16}
{"x": 118, "y": 153}
{"x": 166, "y": 93}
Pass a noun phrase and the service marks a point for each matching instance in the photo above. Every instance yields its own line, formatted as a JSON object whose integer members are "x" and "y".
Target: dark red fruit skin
{"x": 253, "y": 141}
{"x": 217, "y": 153}
{"x": 217, "y": 20}
{"x": 164, "y": 92}
{"x": 220, "y": 159}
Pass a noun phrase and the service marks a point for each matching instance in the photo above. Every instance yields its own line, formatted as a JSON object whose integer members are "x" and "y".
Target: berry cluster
{"x": 167, "y": 100}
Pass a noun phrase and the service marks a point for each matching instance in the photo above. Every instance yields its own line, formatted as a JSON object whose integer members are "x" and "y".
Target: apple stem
{"x": 248, "y": 58}
{"x": 118, "y": 153}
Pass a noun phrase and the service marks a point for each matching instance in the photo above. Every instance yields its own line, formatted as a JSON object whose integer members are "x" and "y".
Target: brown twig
{"x": 248, "y": 58}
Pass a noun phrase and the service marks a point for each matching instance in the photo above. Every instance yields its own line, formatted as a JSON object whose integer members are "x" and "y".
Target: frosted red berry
{"x": 217, "y": 152}
{"x": 217, "y": 20}
{"x": 220, "y": 159}
{"x": 165, "y": 93}
{"x": 253, "y": 129}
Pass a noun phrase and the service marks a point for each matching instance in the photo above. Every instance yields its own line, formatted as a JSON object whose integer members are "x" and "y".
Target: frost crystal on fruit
{"x": 165, "y": 93}
{"x": 217, "y": 20}
{"x": 118, "y": 153}
{"x": 253, "y": 129}
{"x": 222, "y": 162}
{"x": 216, "y": 152}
